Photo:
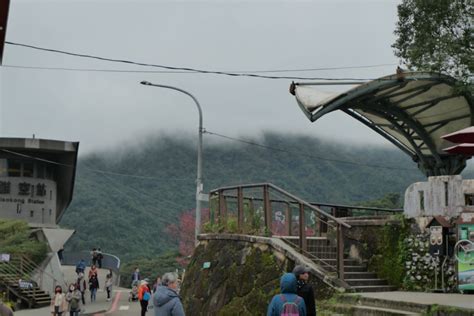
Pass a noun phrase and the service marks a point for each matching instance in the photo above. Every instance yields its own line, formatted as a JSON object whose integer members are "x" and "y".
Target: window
{"x": 3, "y": 168}
{"x": 469, "y": 199}
{"x": 14, "y": 168}
{"x": 28, "y": 169}
{"x": 446, "y": 194}
{"x": 49, "y": 172}
{"x": 32, "y": 213}
{"x": 40, "y": 171}
{"x": 421, "y": 195}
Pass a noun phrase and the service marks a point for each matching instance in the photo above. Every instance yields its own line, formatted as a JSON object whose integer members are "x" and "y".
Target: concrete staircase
{"x": 356, "y": 274}
{"x": 11, "y": 272}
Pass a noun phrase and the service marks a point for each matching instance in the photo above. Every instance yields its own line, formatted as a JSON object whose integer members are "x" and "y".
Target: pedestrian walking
{"x": 93, "y": 287}
{"x": 73, "y": 298}
{"x": 94, "y": 256}
{"x": 81, "y": 266}
{"x": 157, "y": 283}
{"x": 144, "y": 296}
{"x": 100, "y": 256}
{"x": 58, "y": 302}
{"x": 287, "y": 302}
{"x": 166, "y": 300}
{"x": 108, "y": 284}
{"x": 304, "y": 289}
{"x": 136, "y": 276}
{"x": 93, "y": 270}
{"x": 82, "y": 287}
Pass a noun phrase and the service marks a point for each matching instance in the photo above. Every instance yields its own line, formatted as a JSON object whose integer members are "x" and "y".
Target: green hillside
{"x": 128, "y": 215}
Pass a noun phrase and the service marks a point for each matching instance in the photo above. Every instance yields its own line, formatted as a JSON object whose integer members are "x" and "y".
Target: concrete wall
{"x": 50, "y": 274}
{"x": 32, "y": 208}
{"x": 441, "y": 195}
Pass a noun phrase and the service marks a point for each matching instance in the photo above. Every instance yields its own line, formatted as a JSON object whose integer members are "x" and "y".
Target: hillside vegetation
{"x": 128, "y": 216}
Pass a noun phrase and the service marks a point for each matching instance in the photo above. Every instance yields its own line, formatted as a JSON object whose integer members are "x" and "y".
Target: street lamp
{"x": 199, "y": 154}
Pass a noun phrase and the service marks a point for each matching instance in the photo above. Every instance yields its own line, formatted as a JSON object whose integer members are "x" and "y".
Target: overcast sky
{"x": 103, "y": 109}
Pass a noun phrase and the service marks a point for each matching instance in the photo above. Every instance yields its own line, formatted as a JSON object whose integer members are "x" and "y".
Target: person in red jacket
{"x": 144, "y": 296}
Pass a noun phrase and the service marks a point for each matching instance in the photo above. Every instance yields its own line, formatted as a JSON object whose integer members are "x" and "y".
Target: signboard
{"x": 5, "y": 257}
{"x": 206, "y": 265}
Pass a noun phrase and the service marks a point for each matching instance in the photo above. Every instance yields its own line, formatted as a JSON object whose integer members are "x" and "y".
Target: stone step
{"x": 378, "y": 302}
{"x": 362, "y": 310}
{"x": 359, "y": 275}
{"x": 355, "y": 268}
{"x": 366, "y": 282}
{"x": 374, "y": 288}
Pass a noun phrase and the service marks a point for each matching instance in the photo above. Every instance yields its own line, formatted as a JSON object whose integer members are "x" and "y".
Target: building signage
{"x": 26, "y": 192}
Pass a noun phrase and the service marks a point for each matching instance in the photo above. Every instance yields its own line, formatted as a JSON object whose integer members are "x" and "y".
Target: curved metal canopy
{"x": 412, "y": 110}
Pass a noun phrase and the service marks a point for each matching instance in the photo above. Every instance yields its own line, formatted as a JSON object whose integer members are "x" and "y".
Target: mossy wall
{"x": 242, "y": 278}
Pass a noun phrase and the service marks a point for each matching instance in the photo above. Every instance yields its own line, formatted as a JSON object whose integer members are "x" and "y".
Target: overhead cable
{"x": 195, "y": 70}
{"x": 296, "y": 153}
{"x": 184, "y": 71}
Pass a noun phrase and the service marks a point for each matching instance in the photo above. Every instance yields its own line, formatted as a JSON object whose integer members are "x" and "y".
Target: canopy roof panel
{"x": 412, "y": 110}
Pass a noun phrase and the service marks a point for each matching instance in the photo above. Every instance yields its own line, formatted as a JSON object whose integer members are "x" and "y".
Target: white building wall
{"x": 34, "y": 207}
{"x": 442, "y": 195}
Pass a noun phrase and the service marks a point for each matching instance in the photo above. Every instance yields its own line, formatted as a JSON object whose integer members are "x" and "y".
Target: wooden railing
{"x": 265, "y": 209}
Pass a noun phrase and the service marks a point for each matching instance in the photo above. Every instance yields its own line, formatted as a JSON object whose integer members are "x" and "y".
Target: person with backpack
{"x": 144, "y": 296}
{"x": 73, "y": 297}
{"x": 304, "y": 289}
{"x": 287, "y": 302}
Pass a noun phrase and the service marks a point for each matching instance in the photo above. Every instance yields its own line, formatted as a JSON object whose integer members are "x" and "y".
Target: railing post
{"x": 267, "y": 209}
{"x": 302, "y": 230}
{"x": 288, "y": 219}
{"x": 340, "y": 251}
{"x": 240, "y": 208}
{"x": 222, "y": 207}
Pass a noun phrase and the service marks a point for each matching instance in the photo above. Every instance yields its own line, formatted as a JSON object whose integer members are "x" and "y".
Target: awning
{"x": 412, "y": 110}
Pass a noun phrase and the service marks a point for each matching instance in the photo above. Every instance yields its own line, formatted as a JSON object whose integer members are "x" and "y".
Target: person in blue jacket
{"x": 287, "y": 299}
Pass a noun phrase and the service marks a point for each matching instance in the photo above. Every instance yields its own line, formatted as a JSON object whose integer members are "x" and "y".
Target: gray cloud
{"x": 103, "y": 109}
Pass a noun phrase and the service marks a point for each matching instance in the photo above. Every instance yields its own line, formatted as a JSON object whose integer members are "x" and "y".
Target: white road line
{"x": 124, "y": 307}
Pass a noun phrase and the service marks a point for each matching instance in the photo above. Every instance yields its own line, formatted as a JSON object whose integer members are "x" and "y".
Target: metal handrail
{"x": 282, "y": 191}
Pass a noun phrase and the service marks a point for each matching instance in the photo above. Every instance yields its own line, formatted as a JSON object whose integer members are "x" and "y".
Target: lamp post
{"x": 199, "y": 154}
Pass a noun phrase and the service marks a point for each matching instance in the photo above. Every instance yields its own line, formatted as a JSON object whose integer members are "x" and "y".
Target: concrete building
{"x": 36, "y": 185}
{"x": 441, "y": 195}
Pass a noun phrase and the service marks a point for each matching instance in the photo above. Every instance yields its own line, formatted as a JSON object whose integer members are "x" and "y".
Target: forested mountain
{"x": 128, "y": 215}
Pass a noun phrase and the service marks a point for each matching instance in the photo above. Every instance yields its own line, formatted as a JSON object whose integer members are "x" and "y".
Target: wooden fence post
{"x": 240, "y": 208}
{"x": 303, "y": 242}
{"x": 267, "y": 209}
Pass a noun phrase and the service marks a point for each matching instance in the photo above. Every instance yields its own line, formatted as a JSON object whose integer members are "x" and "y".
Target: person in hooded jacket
{"x": 166, "y": 300}
{"x": 304, "y": 289}
{"x": 287, "y": 295}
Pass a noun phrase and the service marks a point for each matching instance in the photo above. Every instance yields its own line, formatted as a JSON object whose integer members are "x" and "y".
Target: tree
{"x": 436, "y": 36}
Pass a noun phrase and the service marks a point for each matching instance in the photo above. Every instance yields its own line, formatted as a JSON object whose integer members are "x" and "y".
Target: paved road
{"x": 101, "y": 306}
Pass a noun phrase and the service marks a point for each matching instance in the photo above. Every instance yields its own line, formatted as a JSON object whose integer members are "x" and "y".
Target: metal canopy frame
{"x": 400, "y": 108}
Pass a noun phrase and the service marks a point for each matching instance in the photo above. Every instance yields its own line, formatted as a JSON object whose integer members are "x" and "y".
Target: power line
{"x": 187, "y": 72}
{"x": 195, "y": 70}
{"x": 306, "y": 155}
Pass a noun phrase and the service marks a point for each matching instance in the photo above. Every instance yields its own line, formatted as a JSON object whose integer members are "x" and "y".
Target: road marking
{"x": 124, "y": 307}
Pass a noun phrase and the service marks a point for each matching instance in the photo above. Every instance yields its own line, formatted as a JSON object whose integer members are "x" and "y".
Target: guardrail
{"x": 265, "y": 209}
{"x": 109, "y": 261}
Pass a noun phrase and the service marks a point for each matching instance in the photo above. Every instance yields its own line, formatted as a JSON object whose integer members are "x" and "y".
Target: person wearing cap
{"x": 144, "y": 296}
{"x": 304, "y": 289}
{"x": 287, "y": 297}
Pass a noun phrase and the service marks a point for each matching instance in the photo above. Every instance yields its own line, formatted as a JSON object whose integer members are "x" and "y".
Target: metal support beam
{"x": 340, "y": 252}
